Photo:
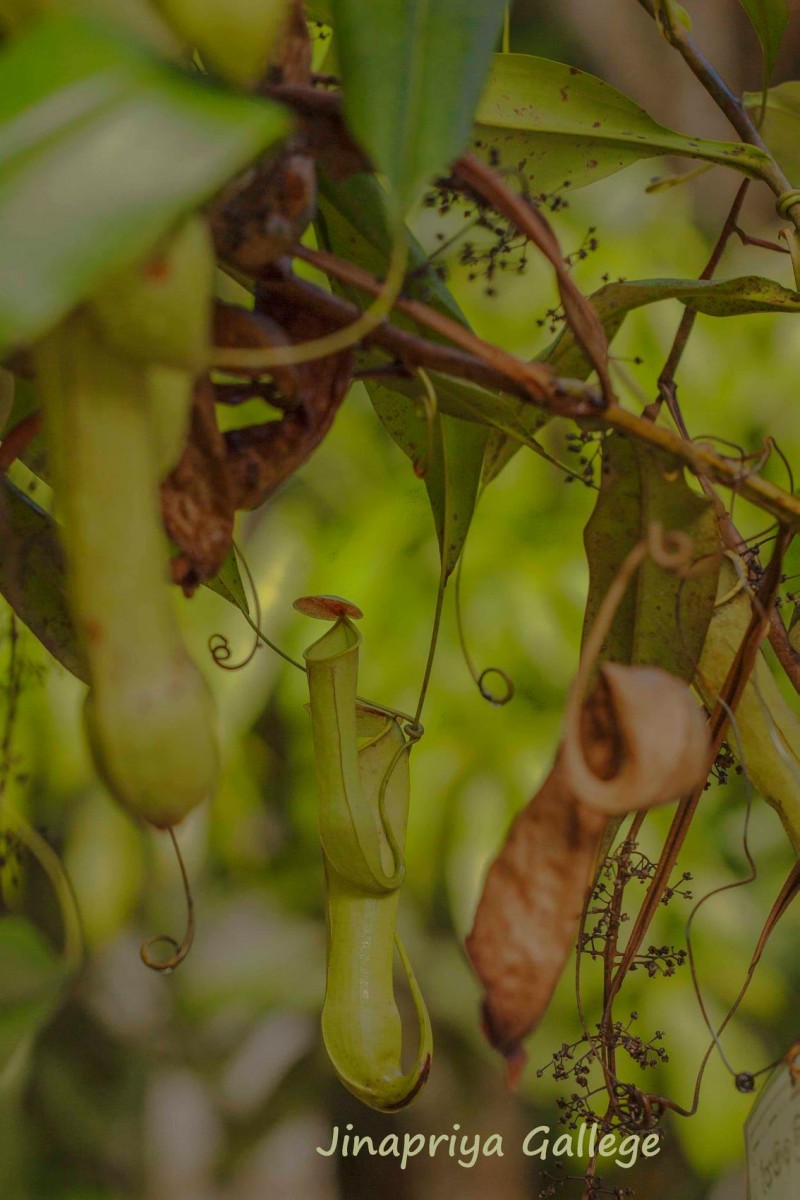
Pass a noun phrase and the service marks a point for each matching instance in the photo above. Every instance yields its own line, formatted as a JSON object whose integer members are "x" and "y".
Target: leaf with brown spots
{"x": 32, "y": 577}
{"x": 640, "y": 741}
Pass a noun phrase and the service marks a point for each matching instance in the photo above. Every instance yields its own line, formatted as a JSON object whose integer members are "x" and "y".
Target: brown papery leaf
{"x": 262, "y": 457}
{"x": 197, "y": 500}
{"x": 638, "y": 741}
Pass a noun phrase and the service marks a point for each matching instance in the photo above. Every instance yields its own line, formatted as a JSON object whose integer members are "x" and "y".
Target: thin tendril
{"x": 749, "y": 878}
{"x": 50, "y": 863}
{"x": 181, "y": 948}
{"x": 479, "y": 677}
{"x": 218, "y": 643}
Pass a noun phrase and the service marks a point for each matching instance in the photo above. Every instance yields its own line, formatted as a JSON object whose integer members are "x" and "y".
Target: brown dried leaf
{"x": 262, "y": 457}
{"x": 641, "y": 742}
{"x": 265, "y": 213}
{"x": 663, "y": 750}
{"x": 236, "y": 328}
{"x": 197, "y": 499}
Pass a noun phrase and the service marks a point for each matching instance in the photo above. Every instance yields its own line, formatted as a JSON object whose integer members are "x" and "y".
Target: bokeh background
{"x": 212, "y": 1083}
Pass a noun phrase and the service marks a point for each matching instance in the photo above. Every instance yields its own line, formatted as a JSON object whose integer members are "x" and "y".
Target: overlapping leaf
{"x": 445, "y": 448}
{"x": 32, "y": 577}
{"x": 662, "y": 620}
{"x": 769, "y": 18}
{"x": 560, "y": 127}
{"x": 102, "y": 148}
{"x": 745, "y": 295}
{"x": 412, "y": 79}
{"x": 780, "y": 126}
{"x": 766, "y": 731}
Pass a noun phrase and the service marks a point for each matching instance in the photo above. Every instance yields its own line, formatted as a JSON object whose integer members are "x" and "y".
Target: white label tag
{"x": 772, "y": 1138}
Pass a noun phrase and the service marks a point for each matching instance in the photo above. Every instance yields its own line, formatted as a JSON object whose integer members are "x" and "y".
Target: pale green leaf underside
{"x": 769, "y": 18}
{"x": 780, "y": 127}
{"x": 560, "y": 127}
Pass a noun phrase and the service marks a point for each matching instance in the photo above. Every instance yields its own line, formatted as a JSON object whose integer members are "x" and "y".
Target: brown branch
{"x": 667, "y": 388}
{"x": 703, "y": 462}
{"x": 536, "y": 381}
{"x": 526, "y": 380}
{"x": 725, "y": 99}
{"x": 413, "y": 350}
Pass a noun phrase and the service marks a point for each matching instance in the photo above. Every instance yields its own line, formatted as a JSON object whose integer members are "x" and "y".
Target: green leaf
{"x": 766, "y": 735}
{"x": 769, "y": 18}
{"x": 352, "y": 223}
{"x": 30, "y": 984}
{"x": 561, "y": 127}
{"x": 780, "y": 127}
{"x": 662, "y": 620}
{"x": 716, "y": 298}
{"x": 228, "y": 583}
{"x": 412, "y": 71}
{"x": 32, "y": 576}
{"x": 448, "y": 453}
{"x": 102, "y": 148}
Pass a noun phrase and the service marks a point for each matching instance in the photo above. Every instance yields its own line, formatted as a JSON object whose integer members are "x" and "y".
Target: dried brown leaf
{"x": 641, "y": 742}
{"x": 197, "y": 499}
{"x": 262, "y": 457}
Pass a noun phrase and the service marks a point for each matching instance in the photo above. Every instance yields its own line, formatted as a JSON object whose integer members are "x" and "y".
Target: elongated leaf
{"x": 561, "y": 127}
{"x": 102, "y": 148}
{"x": 449, "y": 453}
{"x": 716, "y": 298}
{"x": 503, "y": 412}
{"x": 353, "y": 223}
{"x": 32, "y": 576}
{"x": 780, "y": 127}
{"x": 412, "y": 71}
{"x": 766, "y": 737}
{"x": 663, "y": 620}
{"x": 769, "y": 18}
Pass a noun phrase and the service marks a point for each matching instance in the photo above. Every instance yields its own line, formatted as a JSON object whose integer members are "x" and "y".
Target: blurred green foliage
{"x": 211, "y": 1083}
